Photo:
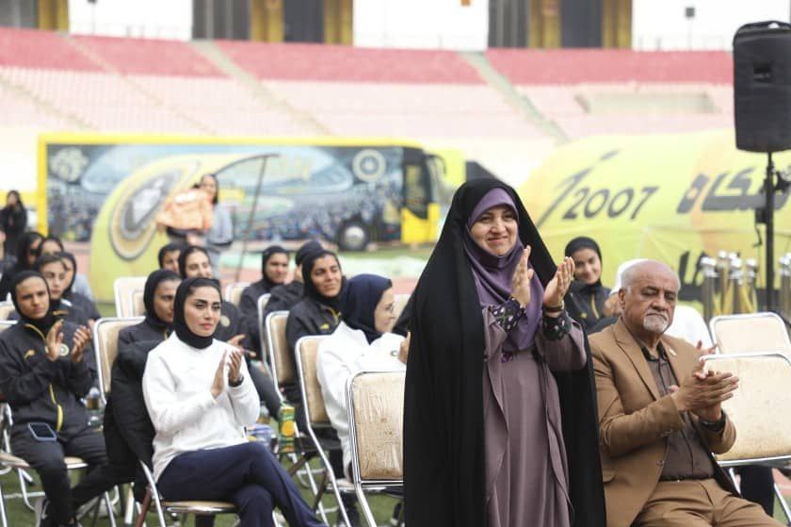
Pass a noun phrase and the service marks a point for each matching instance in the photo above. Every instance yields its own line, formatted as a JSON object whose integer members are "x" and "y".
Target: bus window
{"x": 417, "y": 184}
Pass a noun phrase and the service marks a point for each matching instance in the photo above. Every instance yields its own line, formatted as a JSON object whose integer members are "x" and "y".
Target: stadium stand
{"x": 51, "y": 81}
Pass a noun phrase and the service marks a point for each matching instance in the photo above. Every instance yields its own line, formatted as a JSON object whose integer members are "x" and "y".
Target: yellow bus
{"x": 107, "y": 189}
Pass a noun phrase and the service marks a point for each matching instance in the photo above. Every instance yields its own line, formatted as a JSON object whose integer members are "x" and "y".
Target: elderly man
{"x": 660, "y": 417}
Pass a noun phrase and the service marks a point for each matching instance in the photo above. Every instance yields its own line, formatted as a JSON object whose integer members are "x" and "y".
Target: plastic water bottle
{"x": 94, "y": 407}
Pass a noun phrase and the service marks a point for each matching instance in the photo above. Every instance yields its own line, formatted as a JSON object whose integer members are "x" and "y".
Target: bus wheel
{"x": 353, "y": 236}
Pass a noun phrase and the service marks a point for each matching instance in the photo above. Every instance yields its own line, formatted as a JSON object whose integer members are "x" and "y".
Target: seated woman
{"x": 286, "y": 296}
{"x": 360, "y": 342}
{"x": 128, "y": 432}
{"x": 319, "y": 312}
{"x": 274, "y": 270}
{"x": 54, "y": 272}
{"x": 194, "y": 262}
{"x": 54, "y": 245}
{"x": 199, "y": 396}
{"x": 158, "y": 295}
{"x": 586, "y": 296}
{"x": 78, "y": 299}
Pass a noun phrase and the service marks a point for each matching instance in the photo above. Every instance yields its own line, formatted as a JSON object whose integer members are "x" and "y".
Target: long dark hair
{"x": 19, "y": 203}
{"x": 216, "y": 186}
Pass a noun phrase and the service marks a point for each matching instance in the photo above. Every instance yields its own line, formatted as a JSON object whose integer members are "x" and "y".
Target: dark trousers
{"x": 247, "y": 475}
{"x": 47, "y": 459}
{"x": 757, "y": 485}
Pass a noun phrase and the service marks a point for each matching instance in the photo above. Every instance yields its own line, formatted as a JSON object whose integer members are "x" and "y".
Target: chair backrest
{"x": 105, "y": 345}
{"x": 376, "y": 422}
{"x": 5, "y": 324}
{"x": 233, "y": 292}
{"x": 123, "y": 287}
{"x": 750, "y": 333}
{"x": 263, "y": 300}
{"x": 757, "y": 409}
{"x": 401, "y": 300}
{"x": 138, "y": 306}
{"x": 6, "y": 308}
{"x": 307, "y": 354}
{"x": 283, "y": 370}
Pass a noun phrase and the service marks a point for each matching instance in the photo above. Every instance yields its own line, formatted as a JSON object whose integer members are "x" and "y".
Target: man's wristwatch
{"x": 714, "y": 426}
{"x": 234, "y": 384}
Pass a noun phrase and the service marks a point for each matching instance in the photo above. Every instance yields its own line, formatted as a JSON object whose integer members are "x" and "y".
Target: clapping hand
{"x": 559, "y": 285}
{"x": 81, "y": 339}
{"x": 520, "y": 283}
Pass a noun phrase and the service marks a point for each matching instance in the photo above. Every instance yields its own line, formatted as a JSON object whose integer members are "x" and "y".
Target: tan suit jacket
{"x": 634, "y": 421}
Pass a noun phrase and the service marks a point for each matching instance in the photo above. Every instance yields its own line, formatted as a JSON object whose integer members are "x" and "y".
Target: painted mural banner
{"x": 674, "y": 198}
{"x": 107, "y": 191}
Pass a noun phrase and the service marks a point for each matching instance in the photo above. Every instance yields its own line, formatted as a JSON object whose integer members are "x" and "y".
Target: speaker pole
{"x": 769, "y": 218}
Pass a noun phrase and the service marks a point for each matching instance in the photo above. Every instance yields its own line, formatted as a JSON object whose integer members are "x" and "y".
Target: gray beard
{"x": 655, "y": 324}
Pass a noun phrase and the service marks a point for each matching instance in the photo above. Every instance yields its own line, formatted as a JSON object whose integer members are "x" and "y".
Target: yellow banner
{"x": 668, "y": 197}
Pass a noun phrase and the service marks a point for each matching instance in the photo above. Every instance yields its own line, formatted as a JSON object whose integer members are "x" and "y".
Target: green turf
{"x": 19, "y": 516}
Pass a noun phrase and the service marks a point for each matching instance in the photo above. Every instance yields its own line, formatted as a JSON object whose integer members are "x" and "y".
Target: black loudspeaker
{"x": 762, "y": 86}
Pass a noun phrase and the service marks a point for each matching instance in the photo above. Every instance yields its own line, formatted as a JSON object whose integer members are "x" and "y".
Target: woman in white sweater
{"x": 199, "y": 396}
{"x": 360, "y": 342}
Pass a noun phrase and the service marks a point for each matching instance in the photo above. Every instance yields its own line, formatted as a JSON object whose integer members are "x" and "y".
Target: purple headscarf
{"x": 493, "y": 274}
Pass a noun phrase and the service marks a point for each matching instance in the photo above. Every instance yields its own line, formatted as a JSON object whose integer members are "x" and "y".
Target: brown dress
{"x": 526, "y": 468}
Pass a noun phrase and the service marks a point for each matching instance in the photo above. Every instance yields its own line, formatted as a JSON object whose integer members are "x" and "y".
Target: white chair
{"x": 6, "y": 308}
{"x": 233, "y": 292}
{"x": 376, "y": 412}
{"x": 750, "y": 333}
{"x": 757, "y": 410}
{"x": 123, "y": 289}
{"x": 105, "y": 346}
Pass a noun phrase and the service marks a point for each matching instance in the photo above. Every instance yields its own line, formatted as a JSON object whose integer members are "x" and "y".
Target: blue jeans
{"x": 247, "y": 475}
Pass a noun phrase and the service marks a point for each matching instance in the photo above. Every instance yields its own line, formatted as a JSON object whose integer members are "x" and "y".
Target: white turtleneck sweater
{"x": 342, "y": 355}
{"x": 177, "y": 389}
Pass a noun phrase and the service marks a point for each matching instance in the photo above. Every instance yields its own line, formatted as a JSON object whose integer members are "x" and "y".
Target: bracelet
{"x": 237, "y": 383}
{"x": 554, "y": 309}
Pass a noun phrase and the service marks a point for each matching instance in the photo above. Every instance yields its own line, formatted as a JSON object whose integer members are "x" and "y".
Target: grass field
{"x": 20, "y": 516}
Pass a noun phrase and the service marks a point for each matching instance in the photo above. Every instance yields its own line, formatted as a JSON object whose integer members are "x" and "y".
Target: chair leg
{"x": 108, "y": 502}
{"x": 3, "y": 512}
{"x": 143, "y": 510}
{"x": 129, "y": 510}
{"x": 363, "y": 501}
{"x": 783, "y": 503}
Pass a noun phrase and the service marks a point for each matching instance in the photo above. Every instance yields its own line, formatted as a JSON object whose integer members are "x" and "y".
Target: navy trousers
{"x": 247, "y": 475}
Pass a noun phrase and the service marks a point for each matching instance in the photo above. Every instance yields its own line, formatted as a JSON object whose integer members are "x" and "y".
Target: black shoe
{"x": 354, "y": 518}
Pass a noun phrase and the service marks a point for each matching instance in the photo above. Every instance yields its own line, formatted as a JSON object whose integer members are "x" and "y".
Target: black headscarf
{"x": 359, "y": 300}
{"x": 310, "y": 290}
{"x": 310, "y": 246}
{"x": 44, "y": 323}
{"x": 168, "y": 248}
{"x": 183, "y": 331}
{"x": 149, "y": 292}
{"x": 23, "y": 249}
{"x": 444, "y": 456}
{"x": 185, "y": 253}
{"x": 70, "y": 257}
{"x": 583, "y": 242}
{"x": 268, "y": 253}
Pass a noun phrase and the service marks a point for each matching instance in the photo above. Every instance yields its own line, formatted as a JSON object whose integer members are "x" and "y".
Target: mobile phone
{"x": 42, "y": 432}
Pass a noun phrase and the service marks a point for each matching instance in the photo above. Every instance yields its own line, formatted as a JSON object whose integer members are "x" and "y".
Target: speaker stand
{"x": 766, "y": 215}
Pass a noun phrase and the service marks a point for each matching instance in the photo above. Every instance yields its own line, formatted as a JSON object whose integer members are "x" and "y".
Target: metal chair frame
{"x": 327, "y": 472}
